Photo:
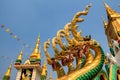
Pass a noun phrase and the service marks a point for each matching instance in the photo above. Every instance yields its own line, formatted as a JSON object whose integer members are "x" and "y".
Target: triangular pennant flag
{"x": 11, "y": 33}
{"x": 7, "y": 30}
{"x": 15, "y": 36}
{"x": 2, "y": 26}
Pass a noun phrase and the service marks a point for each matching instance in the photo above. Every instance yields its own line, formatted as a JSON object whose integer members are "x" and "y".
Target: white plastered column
{"x": 19, "y": 74}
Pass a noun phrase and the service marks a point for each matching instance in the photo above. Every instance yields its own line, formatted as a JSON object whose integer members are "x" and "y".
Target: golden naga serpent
{"x": 77, "y": 48}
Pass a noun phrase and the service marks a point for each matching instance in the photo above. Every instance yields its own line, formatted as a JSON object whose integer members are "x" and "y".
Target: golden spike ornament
{"x": 111, "y": 13}
{"x": 36, "y": 49}
{"x": 20, "y": 55}
{"x": 9, "y": 70}
{"x": 44, "y": 69}
{"x": 105, "y": 23}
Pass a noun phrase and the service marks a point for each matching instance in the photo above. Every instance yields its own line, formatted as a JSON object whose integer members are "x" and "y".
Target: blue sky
{"x": 28, "y": 18}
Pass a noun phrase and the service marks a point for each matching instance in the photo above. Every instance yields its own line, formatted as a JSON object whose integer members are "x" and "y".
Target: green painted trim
{"x": 102, "y": 71}
{"x": 97, "y": 77}
{"x": 18, "y": 61}
{"x": 38, "y": 60}
{"x": 92, "y": 73}
{"x": 113, "y": 76}
{"x": 112, "y": 51}
{"x": 118, "y": 33}
{"x": 32, "y": 61}
{"x": 6, "y": 78}
{"x": 43, "y": 77}
{"x": 107, "y": 67}
{"x": 83, "y": 62}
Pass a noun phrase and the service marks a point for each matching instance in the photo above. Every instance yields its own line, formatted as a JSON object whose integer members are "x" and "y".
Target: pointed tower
{"x": 7, "y": 74}
{"x": 44, "y": 71}
{"x": 31, "y": 69}
{"x": 35, "y": 56}
{"x": 19, "y": 59}
{"x": 112, "y": 27}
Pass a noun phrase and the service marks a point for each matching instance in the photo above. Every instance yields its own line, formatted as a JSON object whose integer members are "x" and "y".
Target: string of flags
{"x": 25, "y": 45}
{"x": 15, "y": 36}
{"x": 7, "y": 58}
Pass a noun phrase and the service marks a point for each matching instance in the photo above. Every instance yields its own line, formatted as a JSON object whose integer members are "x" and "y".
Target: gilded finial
{"x": 7, "y": 74}
{"x": 110, "y": 12}
{"x": 45, "y": 64}
{"x": 38, "y": 59}
{"x": 44, "y": 70}
{"x": 103, "y": 1}
{"x": 20, "y": 55}
{"x": 36, "y": 49}
{"x": 37, "y": 42}
{"x": 104, "y": 22}
{"x": 19, "y": 59}
{"x": 105, "y": 5}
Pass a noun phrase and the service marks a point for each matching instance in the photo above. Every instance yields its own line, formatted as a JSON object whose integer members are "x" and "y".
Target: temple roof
{"x": 110, "y": 12}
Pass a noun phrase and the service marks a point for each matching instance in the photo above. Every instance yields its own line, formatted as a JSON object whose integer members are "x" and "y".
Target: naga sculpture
{"x": 87, "y": 52}
{"x": 91, "y": 62}
{"x": 52, "y": 61}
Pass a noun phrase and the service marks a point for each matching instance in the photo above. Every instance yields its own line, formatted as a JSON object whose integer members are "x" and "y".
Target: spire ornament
{"x": 19, "y": 59}
{"x": 7, "y": 74}
{"x": 112, "y": 29}
{"x": 105, "y": 23}
{"x": 44, "y": 71}
{"x": 36, "y": 53}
